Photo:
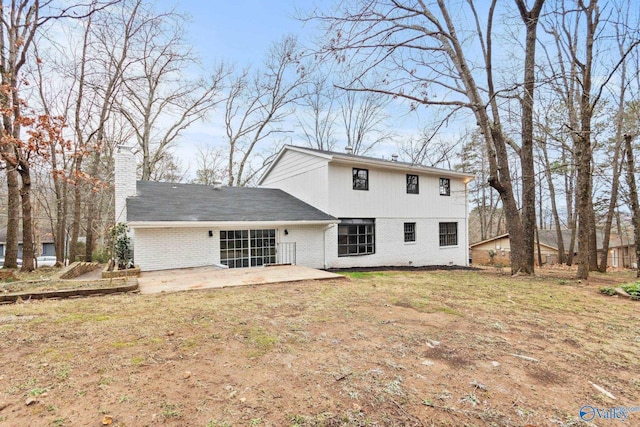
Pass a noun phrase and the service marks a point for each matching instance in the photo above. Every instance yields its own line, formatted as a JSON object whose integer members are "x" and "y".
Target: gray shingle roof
{"x": 164, "y": 201}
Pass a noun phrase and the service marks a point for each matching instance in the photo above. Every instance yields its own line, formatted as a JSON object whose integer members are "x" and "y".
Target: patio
{"x": 211, "y": 277}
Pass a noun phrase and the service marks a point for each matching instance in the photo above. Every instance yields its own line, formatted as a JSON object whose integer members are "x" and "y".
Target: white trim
{"x": 224, "y": 224}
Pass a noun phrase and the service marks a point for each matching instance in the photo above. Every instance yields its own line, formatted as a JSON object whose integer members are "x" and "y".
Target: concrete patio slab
{"x": 152, "y": 282}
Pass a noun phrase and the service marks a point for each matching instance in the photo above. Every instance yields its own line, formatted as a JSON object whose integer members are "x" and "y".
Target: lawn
{"x": 437, "y": 348}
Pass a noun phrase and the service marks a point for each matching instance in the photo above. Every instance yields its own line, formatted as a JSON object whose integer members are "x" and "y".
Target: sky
{"x": 241, "y": 32}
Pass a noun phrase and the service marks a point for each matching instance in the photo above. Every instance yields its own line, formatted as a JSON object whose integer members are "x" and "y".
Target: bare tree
{"x": 20, "y": 22}
{"x": 415, "y": 50}
{"x": 257, "y": 104}
{"x": 317, "y": 113}
{"x": 363, "y": 117}
{"x": 168, "y": 168}
{"x": 577, "y": 32}
{"x": 210, "y": 165}
{"x": 430, "y": 149}
{"x": 486, "y": 215}
{"x": 633, "y": 195}
{"x": 160, "y": 99}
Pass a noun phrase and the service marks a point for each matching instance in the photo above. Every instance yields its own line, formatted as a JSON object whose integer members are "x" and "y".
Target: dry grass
{"x": 385, "y": 349}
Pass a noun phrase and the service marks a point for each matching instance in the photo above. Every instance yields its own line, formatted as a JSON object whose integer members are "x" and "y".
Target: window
{"x": 448, "y": 233}
{"x": 360, "y": 179}
{"x": 445, "y": 187}
{"x": 412, "y": 184}
{"x": 409, "y": 231}
{"x": 247, "y": 248}
{"x": 356, "y": 237}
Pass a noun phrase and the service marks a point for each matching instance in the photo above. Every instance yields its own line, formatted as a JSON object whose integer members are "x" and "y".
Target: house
{"x": 43, "y": 246}
{"x": 497, "y": 250}
{"x": 391, "y": 213}
{"x": 315, "y": 208}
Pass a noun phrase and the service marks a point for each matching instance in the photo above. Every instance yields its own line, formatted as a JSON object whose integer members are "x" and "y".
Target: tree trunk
{"x": 530, "y": 19}
{"x": 616, "y": 168}
{"x": 583, "y": 149}
{"x": 91, "y": 208}
{"x": 77, "y": 213}
{"x": 554, "y": 207}
{"x": 593, "y": 235}
{"x": 613, "y": 201}
{"x": 633, "y": 195}
{"x": 13, "y": 218}
{"x": 27, "y": 218}
{"x": 583, "y": 194}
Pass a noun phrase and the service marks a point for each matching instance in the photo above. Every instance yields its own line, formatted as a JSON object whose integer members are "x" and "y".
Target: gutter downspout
{"x": 324, "y": 245}
{"x": 466, "y": 218}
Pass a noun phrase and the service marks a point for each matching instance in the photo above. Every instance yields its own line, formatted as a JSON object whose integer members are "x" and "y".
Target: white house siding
{"x": 392, "y": 250}
{"x": 167, "y": 248}
{"x": 303, "y": 176}
{"x": 387, "y": 195}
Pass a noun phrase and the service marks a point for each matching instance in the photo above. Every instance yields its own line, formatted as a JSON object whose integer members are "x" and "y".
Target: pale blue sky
{"x": 238, "y": 31}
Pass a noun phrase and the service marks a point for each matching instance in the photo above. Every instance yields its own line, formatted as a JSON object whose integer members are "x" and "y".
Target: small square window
{"x": 445, "y": 187}
{"x": 412, "y": 184}
{"x": 360, "y": 179}
{"x": 409, "y": 231}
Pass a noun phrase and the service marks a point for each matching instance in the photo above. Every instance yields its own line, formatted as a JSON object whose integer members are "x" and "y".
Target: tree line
{"x": 551, "y": 85}
{"x": 542, "y": 94}
{"x": 79, "y": 79}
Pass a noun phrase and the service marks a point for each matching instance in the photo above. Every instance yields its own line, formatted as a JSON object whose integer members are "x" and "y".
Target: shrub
{"x": 632, "y": 289}
{"x": 607, "y": 290}
{"x": 121, "y": 246}
{"x": 101, "y": 255}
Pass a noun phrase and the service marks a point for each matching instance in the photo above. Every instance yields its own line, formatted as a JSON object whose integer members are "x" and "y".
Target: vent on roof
{"x": 348, "y": 149}
{"x": 394, "y": 157}
{"x": 217, "y": 185}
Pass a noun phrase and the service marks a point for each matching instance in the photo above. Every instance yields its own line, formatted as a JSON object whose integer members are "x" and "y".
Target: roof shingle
{"x": 163, "y": 201}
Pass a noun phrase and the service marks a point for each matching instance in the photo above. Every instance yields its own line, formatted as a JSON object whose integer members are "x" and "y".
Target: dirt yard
{"x": 429, "y": 348}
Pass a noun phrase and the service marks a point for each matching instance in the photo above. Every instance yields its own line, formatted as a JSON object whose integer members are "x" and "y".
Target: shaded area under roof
{"x": 165, "y": 201}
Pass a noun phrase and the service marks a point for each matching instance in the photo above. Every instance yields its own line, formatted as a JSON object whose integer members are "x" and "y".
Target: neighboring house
{"x": 497, "y": 250}
{"x": 622, "y": 251}
{"x": 314, "y": 208}
{"x": 44, "y": 244}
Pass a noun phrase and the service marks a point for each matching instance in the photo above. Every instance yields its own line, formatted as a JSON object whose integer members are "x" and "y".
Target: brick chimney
{"x": 125, "y": 180}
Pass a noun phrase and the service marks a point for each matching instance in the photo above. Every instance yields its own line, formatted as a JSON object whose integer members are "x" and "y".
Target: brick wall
{"x": 125, "y": 181}
{"x": 309, "y": 241}
{"x": 392, "y": 250}
{"x": 167, "y": 248}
